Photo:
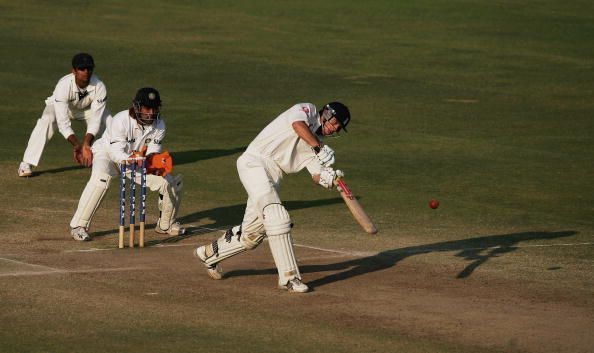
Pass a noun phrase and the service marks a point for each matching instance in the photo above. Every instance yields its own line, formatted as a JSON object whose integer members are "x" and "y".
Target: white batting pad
{"x": 276, "y": 219}
{"x": 281, "y": 247}
{"x": 90, "y": 200}
{"x": 224, "y": 247}
{"x": 170, "y": 200}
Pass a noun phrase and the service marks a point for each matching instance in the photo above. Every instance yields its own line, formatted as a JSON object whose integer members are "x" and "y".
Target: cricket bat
{"x": 358, "y": 213}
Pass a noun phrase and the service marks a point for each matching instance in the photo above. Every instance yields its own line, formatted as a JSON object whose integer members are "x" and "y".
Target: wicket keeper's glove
{"x": 159, "y": 164}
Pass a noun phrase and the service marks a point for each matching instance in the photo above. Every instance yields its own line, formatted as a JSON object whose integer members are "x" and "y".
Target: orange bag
{"x": 159, "y": 164}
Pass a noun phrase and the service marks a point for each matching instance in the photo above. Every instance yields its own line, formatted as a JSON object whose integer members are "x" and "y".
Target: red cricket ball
{"x": 434, "y": 204}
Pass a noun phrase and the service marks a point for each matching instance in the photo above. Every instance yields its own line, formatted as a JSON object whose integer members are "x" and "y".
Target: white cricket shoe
{"x": 80, "y": 234}
{"x": 295, "y": 286}
{"x": 175, "y": 229}
{"x": 214, "y": 271}
{"x": 25, "y": 169}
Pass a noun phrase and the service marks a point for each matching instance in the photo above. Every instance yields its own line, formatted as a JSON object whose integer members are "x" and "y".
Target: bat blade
{"x": 356, "y": 210}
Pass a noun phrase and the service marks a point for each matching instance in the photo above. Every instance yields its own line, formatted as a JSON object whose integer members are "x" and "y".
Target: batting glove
{"x": 328, "y": 177}
{"x": 326, "y": 156}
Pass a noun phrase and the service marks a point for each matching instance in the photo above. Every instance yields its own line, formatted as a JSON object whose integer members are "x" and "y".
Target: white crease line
{"x": 88, "y": 250}
{"x": 548, "y": 245}
{"x": 422, "y": 249}
{"x": 58, "y": 271}
{"x": 29, "y": 273}
{"x": 342, "y": 252}
{"x": 413, "y": 249}
{"x": 113, "y": 269}
{"x": 160, "y": 245}
{"x": 46, "y": 268}
{"x": 126, "y": 248}
{"x": 174, "y": 245}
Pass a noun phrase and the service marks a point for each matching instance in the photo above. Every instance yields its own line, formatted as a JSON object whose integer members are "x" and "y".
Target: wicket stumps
{"x": 132, "y": 165}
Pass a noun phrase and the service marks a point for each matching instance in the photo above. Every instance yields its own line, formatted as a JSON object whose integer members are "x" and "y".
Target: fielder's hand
{"x": 328, "y": 177}
{"x": 86, "y": 156}
{"x": 77, "y": 155}
{"x": 326, "y": 156}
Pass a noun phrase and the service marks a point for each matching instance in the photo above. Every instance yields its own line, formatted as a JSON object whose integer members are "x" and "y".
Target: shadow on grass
{"x": 476, "y": 250}
{"x": 185, "y": 157}
{"x": 182, "y": 157}
{"x": 58, "y": 170}
{"x": 217, "y": 218}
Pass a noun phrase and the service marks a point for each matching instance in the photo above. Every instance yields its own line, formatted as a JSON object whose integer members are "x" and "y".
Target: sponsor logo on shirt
{"x": 305, "y": 110}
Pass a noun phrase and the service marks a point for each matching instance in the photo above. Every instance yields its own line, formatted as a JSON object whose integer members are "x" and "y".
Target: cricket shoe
{"x": 175, "y": 229}
{"x": 295, "y": 286}
{"x": 25, "y": 169}
{"x": 80, "y": 234}
{"x": 214, "y": 271}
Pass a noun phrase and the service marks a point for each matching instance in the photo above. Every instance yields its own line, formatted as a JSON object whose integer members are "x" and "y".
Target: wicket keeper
{"x": 139, "y": 130}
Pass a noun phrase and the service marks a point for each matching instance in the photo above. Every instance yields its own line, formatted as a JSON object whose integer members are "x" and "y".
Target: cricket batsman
{"x": 291, "y": 142}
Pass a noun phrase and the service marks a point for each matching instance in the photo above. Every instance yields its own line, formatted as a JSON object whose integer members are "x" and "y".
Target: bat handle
{"x": 347, "y": 192}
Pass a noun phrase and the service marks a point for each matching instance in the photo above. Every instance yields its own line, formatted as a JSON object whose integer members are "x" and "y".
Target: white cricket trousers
{"x": 44, "y": 131}
{"x": 261, "y": 179}
{"x": 103, "y": 166}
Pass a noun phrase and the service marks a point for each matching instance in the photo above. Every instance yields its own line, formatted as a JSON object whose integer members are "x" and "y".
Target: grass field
{"x": 485, "y": 106}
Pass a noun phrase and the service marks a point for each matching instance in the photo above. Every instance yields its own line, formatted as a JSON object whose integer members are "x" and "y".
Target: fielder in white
{"x": 139, "y": 128}
{"x": 80, "y": 95}
{"x": 291, "y": 142}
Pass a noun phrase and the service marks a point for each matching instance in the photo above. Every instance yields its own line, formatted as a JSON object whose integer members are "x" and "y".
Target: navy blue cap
{"x": 83, "y": 61}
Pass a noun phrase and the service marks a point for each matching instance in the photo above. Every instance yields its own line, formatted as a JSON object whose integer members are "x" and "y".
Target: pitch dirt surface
{"x": 160, "y": 298}
{"x": 485, "y": 106}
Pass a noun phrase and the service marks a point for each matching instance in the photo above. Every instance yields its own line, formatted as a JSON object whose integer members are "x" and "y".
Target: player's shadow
{"x": 57, "y": 170}
{"x": 185, "y": 157}
{"x": 476, "y": 250}
{"x": 232, "y": 215}
{"x": 217, "y": 218}
{"x": 179, "y": 158}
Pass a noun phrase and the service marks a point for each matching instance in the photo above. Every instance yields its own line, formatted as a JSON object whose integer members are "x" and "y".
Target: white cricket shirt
{"x": 70, "y": 101}
{"x": 124, "y": 135}
{"x": 280, "y": 143}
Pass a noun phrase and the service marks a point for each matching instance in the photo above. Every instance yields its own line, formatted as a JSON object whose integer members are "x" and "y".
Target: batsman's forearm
{"x": 305, "y": 134}
{"x": 316, "y": 178}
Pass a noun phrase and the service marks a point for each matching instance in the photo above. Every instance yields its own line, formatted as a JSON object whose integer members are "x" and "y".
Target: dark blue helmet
{"x": 338, "y": 111}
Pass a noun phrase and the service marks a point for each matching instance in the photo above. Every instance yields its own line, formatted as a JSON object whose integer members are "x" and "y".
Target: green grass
{"x": 486, "y": 106}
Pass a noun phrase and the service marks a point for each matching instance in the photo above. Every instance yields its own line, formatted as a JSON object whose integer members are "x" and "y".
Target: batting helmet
{"x": 340, "y": 112}
{"x": 150, "y": 98}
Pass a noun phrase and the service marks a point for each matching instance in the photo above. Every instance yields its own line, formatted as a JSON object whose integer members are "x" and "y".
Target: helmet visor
{"x": 146, "y": 115}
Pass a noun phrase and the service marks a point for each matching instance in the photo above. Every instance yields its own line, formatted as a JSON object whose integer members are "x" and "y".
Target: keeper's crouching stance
{"x": 138, "y": 131}
{"x": 291, "y": 142}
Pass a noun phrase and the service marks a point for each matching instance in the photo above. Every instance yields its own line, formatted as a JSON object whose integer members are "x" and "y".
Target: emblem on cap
{"x": 152, "y": 96}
